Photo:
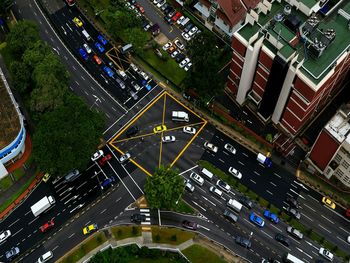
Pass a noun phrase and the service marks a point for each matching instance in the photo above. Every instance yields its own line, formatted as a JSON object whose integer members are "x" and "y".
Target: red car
{"x": 104, "y": 159}
{"x": 347, "y": 213}
{"x": 140, "y": 8}
{"x": 176, "y": 16}
{"x": 97, "y": 60}
{"x": 47, "y": 226}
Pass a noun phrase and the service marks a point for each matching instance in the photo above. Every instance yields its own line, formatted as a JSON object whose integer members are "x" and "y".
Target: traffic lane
{"x": 81, "y": 78}
{"x": 155, "y": 15}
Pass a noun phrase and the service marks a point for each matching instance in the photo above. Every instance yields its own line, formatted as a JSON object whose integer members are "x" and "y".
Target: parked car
{"x": 224, "y": 186}
{"x": 171, "y": 12}
{"x": 244, "y": 200}
{"x": 197, "y": 178}
{"x": 188, "y": 27}
{"x": 257, "y": 220}
{"x": 132, "y": 131}
{"x": 99, "y": 47}
{"x": 97, "y": 60}
{"x": 45, "y": 257}
{"x": 230, "y": 216}
{"x": 295, "y": 232}
{"x": 235, "y": 172}
{"x": 102, "y": 39}
{"x": 124, "y": 157}
{"x": 188, "y": 66}
{"x": 167, "y": 46}
{"x": 326, "y": 254}
{"x": 89, "y": 229}
{"x": 46, "y": 177}
{"x": 164, "y": 7}
{"x": 292, "y": 202}
{"x": 328, "y": 202}
{"x": 135, "y": 85}
{"x": 180, "y": 20}
{"x": 77, "y": 22}
{"x": 189, "y": 130}
{"x": 282, "y": 239}
{"x": 189, "y": 225}
{"x": 174, "y": 54}
{"x": 120, "y": 83}
{"x": 211, "y": 147}
{"x": 171, "y": 49}
{"x": 215, "y": 191}
{"x": 161, "y": 3}
{"x": 47, "y": 226}
{"x": 228, "y": 147}
{"x": 176, "y": 16}
{"x": 166, "y": 139}
{"x": 244, "y": 242}
{"x": 293, "y": 212}
{"x": 87, "y": 48}
{"x": 104, "y": 159}
{"x": 186, "y": 36}
{"x": 12, "y": 253}
{"x": 193, "y": 30}
{"x": 140, "y": 8}
{"x": 184, "y": 62}
{"x": 83, "y": 54}
{"x": 159, "y": 128}
{"x": 271, "y": 216}
{"x": 179, "y": 44}
{"x": 180, "y": 57}
{"x": 189, "y": 186}
{"x": 108, "y": 71}
{"x": 97, "y": 155}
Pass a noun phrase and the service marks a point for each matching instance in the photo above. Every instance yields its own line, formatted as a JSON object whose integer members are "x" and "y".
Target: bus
{"x": 291, "y": 259}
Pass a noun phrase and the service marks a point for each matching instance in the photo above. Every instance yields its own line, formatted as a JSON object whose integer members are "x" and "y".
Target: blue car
{"x": 272, "y": 217}
{"x": 108, "y": 71}
{"x": 83, "y": 54}
{"x": 99, "y": 47}
{"x": 107, "y": 182}
{"x": 146, "y": 85}
{"x": 257, "y": 220}
{"x": 102, "y": 39}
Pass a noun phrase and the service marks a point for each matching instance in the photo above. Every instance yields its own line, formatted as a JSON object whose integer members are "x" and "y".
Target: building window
{"x": 345, "y": 164}
{"x": 337, "y": 158}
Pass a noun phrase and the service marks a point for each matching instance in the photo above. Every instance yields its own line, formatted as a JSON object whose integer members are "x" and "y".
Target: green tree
{"x": 204, "y": 76}
{"x": 137, "y": 37}
{"x": 120, "y": 21}
{"x": 20, "y": 74}
{"x": 164, "y": 188}
{"x": 66, "y": 137}
{"x": 36, "y": 53}
{"x": 22, "y": 35}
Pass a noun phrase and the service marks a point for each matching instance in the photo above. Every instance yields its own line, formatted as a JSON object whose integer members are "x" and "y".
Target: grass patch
{"x": 171, "y": 236}
{"x": 5, "y": 182}
{"x": 151, "y": 260}
{"x": 16, "y": 195}
{"x": 6, "y": 54}
{"x": 122, "y": 232}
{"x": 199, "y": 254}
{"x": 168, "y": 68}
{"x": 85, "y": 248}
{"x": 183, "y": 207}
{"x": 18, "y": 173}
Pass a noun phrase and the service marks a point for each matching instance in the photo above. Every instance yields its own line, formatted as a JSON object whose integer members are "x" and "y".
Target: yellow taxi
{"x": 46, "y": 177}
{"x": 159, "y": 129}
{"x": 77, "y": 22}
{"x": 89, "y": 229}
{"x": 328, "y": 202}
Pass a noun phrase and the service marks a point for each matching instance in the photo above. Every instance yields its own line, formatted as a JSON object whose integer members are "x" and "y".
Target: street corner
{"x": 160, "y": 134}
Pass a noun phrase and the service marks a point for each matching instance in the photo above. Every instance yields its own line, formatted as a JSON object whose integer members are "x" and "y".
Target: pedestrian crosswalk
{"x": 147, "y": 213}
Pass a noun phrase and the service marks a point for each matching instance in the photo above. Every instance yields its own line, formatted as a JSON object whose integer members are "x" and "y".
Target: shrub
{"x": 173, "y": 238}
{"x": 157, "y": 238}
{"x": 134, "y": 231}
{"x": 120, "y": 232}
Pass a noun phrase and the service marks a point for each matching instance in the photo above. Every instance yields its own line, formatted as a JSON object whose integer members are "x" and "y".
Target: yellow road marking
{"x": 135, "y": 137}
{"x": 171, "y": 29}
{"x": 164, "y": 109}
{"x": 160, "y": 151}
{"x": 180, "y": 127}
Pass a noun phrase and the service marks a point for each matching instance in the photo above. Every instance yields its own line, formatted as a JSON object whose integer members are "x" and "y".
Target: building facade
{"x": 13, "y": 132}
{"x": 289, "y": 59}
{"x": 330, "y": 154}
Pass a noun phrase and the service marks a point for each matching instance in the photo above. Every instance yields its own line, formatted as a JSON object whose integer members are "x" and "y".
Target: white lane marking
{"x": 342, "y": 239}
{"x": 77, "y": 82}
{"x": 92, "y": 88}
{"x": 14, "y": 222}
{"x": 269, "y": 192}
{"x": 199, "y": 206}
{"x": 276, "y": 228}
{"x": 307, "y": 217}
{"x": 221, "y": 160}
{"x": 104, "y": 210}
{"x": 225, "y": 153}
{"x": 246, "y": 155}
{"x": 309, "y": 207}
{"x": 33, "y": 220}
{"x": 344, "y": 230}
{"x": 241, "y": 163}
{"x": 304, "y": 252}
{"x": 277, "y": 175}
{"x": 327, "y": 219}
{"x": 324, "y": 228}
{"x": 266, "y": 234}
{"x": 71, "y": 235}
{"x": 145, "y": 223}
{"x": 55, "y": 248}
{"x": 81, "y": 185}
{"x": 252, "y": 181}
{"x": 297, "y": 193}
{"x": 28, "y": 212}
{"x": 311, "y": 245}
{"x": 204, "y": 227}
{"x": 273, "y": 184}
{"x": 118, "y": 200}
{"x": 82, "y": 78}
{"x": 208, "y": 200}
{"x": 313, "y": 198}
{"x": 256, "y": 173}
{"x": 300, "y": 184}
{"x": 296, "y": 187}
{"x": 17, "y": 232}
{"x": 189, "y": 169}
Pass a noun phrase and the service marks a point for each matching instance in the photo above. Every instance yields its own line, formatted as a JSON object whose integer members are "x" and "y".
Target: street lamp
{"x": 97, "y": 99}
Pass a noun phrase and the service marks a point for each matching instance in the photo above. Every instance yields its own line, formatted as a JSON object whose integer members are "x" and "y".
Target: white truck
{"x": 235, "y": 205}
{"x": 42, "y": 205}
{"x": 180, "y": 116}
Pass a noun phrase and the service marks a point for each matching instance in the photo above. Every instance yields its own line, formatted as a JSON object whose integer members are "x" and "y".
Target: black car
{"x": 188, "y": 27}
{"x": 246, "y": 201}
{"x": 167, "y": 19}
{"x": 292, "y": 202}
{"x": 163, "y": 7}
{"x": 180, "y": 57}
{"x": 138, "y": 218}
{"x": 12, "y": 253}
{"x": 293, "y": 212}
{"x": 168, "y": 9}
{"x": 132, "y": 131}
{"x": 243, "y": 242}
{"x": 282, "y": 239}
{"x": 171, "y": 13}
{"x": 230, "y": 216}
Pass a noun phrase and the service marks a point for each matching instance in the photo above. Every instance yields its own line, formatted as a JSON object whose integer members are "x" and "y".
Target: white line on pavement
{"x": 266, "y": 234}
{"x": 297, "y": 193}
{"x": 277, "y": 175}
{"x": 199, "y": 206}
{"x": 313, "y": 198}
{"x": 204, "y": 227}
{"x": 304, "y": 252}
{"x": 241, "y": 163}
{"x": 208, "y": 200}
{"x": 307, "y": 217}
{"x": 104, "y": 210}
{"x": 71, "y": 235}
{"x": 256, "y": 173}
{"x": 324, "y": 228}
{"x": 273, "y": 184}
{"x": 327, "y": 219}
{"x": 246, "y": 155}
{"x": 252, "y": 181}
{"x": 189, "y": 169}
{"x": 309, "y": 207}
{"x": 342, "y": 239}
{"x": 344, "y": 230}
{"x": 269, "y": 192}
{"x": 14, "y": 222}
{"x": 17, "y": 232}
{"x": 276, "y": 228}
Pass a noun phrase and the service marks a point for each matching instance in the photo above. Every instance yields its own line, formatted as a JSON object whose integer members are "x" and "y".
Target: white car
{"x": 215, "y": 191}
{"x": 189, "y": 186}
{"x": 180, "y": 20}
{"x": 197, "y": 178}
{"x": 4, "y": 235}
{"x": 184, "y": 62}
{"x": 224, "y": 186}
{"x": 87, "y": 48}
{"x": 97, "y": 155}
{"x": 168, "y": 138}
{"x": 348, "y": 239}
{"x": 211, "y": 147}
{"x": 186, "y": 36}
{"x": 235, "y": 172}
{"x": 189, "y": 130}
{"x": 167, "y": 46}
{"x": 144, "y": 75}
{"x": 193, "y": 31}
{"x": 45, "y": 257}
{"x": 174, "y": 54}
{"x": 133, "y": 66}
{"x": 230, "y": 148}
{"x": 156, "y": 1}
{"x": 161, "y": 3}
{"x": 326, "y": 254}
{"x": 124, "y": 157}
{"x": 180, "y": 45}
{"x": 188, "y": 66}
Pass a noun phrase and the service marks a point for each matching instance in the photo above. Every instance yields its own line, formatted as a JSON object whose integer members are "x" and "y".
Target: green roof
{"x": 314, "y": 68}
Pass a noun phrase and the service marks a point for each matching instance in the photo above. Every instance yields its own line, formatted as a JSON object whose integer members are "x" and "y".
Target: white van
{"x": 207, "y": 173}
{"x": 45, "y": 257}
{"x": 235, "y": 205}
{"x": 126, "y": 48}
{"x": 86, "y": 35}
{"x": 180, "y": 116}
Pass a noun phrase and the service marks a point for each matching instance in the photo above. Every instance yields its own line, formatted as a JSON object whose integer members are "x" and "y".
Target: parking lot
{"x": 154, "y": 138}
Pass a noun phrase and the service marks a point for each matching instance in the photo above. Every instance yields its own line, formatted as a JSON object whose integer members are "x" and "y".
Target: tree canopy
{"x": 204, "y": 76}
{"x": 164, "y": 188}
{"x": 66, "y": 137}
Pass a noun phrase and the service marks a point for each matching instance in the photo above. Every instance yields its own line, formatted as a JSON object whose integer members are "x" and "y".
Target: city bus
{"x": 291, "y": 259}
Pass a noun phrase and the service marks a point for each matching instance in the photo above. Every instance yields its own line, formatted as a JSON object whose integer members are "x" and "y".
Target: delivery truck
{"x": 180, "y": 116}
{"x": 235, "y": 205}
{"x": 42, "y": 205}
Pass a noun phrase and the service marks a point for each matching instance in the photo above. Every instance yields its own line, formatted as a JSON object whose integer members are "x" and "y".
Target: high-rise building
{"x": 289, "y": 59}
{"x": 330, "y": 154}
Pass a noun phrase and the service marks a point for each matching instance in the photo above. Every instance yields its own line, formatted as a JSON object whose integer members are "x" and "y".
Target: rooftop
{"x": 9, "y": 122}
{"x": 339, "y": 125}
{"x": 317, "y": 38}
